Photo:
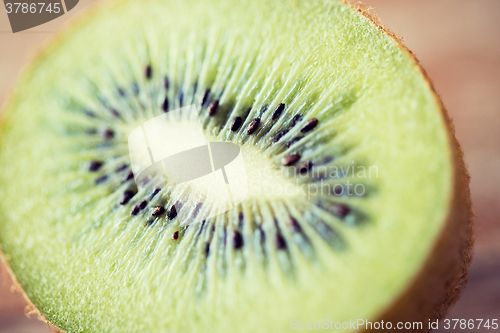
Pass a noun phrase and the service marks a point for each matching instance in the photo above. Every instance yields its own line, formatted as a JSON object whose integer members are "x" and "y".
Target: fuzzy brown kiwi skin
{"x": 30, "y": 308}
{"x": 439, "y": 283}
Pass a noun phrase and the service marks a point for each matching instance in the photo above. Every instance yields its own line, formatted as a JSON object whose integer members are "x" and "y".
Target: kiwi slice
{"x": 320, "y": 100}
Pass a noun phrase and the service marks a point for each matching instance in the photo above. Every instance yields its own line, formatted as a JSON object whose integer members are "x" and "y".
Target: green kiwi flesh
{"x": 297, "y": 85}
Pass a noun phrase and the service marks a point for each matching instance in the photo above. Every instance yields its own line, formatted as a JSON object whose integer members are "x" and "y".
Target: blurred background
{"x": 457, "y": 42}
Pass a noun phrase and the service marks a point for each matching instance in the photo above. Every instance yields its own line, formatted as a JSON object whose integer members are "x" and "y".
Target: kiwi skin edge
{"x": 442, "y": 278}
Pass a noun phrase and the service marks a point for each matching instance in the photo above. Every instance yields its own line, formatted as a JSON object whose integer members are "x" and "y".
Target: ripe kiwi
{"x": 304, "y": 88}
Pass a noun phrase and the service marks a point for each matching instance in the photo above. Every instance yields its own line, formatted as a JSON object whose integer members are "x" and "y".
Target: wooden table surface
{"x": 458, "y": 43}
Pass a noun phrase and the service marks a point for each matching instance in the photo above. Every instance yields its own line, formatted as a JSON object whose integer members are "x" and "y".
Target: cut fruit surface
{"x": 357, "y": 203}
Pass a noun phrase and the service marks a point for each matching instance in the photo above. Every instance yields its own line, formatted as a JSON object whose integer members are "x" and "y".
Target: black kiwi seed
{"x": 338, "y": 190}
{"x": 89, "y": 113}
{"x": 262, "y": 234}
{"x": 311, "y": 124}
{"x": 166, "y": 83}
{"x": 224, "y": 237}
{"x": 241, "y": 219}
{"x": 212, "y": 108}
{"x": 237, "y": 240}
{"x": 291, "y": 160}
{"x": 264, "y": 109}
{"x": 304, "y": 167}
{"x": 293, "y": 141}
{"x": 180, "y": 96}
{"x": 95, "y": 166}
{"x": 277, "y": 112}
{"x": 207, "y": 249}
{"x": 295, "y": 225}
{"x": 254, "y": 125}
{"x": 236, "y": 124}
{"x": 327, "y": 160}
{"x": 205, "y": 98}
{"x": 172, "y": 213}
{"x": 279, "y": 135}
{"x": 228, "y": 116}
{"x": 175, "y": 235}
{"x": 164, "y": 105}
{"x": 203, "y": 225}
{"x": 148, "y": 71}
{"x": 158, "y": 211}
{"x": 121, "y": 92}
{"x": 155, "y": 192}
{"x": 127, "y": 195}
{"x": 341, "y": 210}
{"x": 280, "y": 242}
{"x": 108, "y": 133}
{"x": 128, "y": 177}
{"x": 121, "y": 168}
{"x": 197, "y": 208}
{"x": 101, "y": 179}
{"x": 115, "y": 113}
{"x": 137, "y": 208}
{"x": 296, "y": 120}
